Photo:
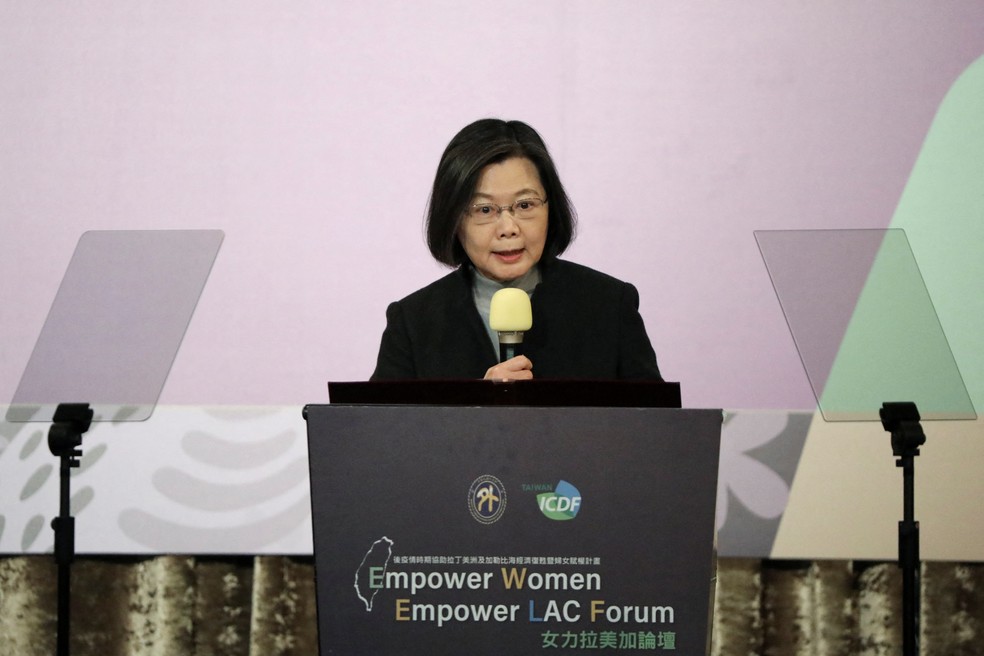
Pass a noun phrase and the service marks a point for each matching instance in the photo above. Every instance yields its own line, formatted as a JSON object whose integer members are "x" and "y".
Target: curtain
{"x": 211, "y": 606}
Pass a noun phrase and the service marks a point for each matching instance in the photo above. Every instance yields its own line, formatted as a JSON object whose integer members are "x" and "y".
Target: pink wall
{"x": 309, "y": 133}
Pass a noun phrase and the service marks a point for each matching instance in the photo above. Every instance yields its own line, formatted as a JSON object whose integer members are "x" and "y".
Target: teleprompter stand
{"x": 124, "y": 305}
{"x": 902, "y": 421}
{"x": 70, "y": 422}
{"x": 866, "y": 330}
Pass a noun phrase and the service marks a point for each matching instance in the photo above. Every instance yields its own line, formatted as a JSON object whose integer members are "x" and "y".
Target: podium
{"x": 468, "y": 526}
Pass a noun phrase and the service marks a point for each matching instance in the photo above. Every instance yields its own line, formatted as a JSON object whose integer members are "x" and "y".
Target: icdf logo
{"x": 562, "y": 504}
{"x": 487, "y": 499}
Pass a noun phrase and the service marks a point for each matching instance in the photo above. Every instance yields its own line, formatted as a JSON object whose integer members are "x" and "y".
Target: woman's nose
{"x": 506, "y": 225}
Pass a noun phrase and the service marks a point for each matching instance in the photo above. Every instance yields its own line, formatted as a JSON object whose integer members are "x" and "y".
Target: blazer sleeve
{"x": 395, "y": 359}
{"x": 636, "y": 357}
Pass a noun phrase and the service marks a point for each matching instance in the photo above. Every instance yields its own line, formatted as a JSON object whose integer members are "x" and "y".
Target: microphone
{"x": 510, "y": 314}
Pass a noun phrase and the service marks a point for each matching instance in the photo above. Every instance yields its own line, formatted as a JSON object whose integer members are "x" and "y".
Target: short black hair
{"x": 490, "y": 141}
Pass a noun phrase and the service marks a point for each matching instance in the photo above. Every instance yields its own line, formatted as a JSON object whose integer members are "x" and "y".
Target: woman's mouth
{"x": 509, "y": 256}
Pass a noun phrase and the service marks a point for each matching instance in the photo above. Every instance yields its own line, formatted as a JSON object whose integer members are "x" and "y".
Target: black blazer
{"x": 585, "y": 325}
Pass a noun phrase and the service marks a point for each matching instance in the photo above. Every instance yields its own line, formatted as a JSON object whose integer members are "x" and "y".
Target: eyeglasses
{"x": 524, "y": 208}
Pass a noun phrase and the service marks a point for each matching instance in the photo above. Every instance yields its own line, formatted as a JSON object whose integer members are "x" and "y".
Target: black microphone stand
{"x": 71, "y": 420}
{"x": 902, "y": 421}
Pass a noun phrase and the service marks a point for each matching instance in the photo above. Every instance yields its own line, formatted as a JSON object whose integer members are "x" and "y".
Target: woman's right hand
{"x": 517, "y": 368}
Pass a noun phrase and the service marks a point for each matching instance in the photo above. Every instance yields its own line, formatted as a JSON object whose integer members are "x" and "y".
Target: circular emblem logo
{"x": 487, "y": 499}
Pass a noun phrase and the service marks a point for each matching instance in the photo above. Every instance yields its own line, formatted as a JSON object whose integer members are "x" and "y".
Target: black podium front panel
{"x": 456, "y": 530}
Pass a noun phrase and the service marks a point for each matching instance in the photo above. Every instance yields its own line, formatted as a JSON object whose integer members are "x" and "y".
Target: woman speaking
{"x": 499, "y": 215}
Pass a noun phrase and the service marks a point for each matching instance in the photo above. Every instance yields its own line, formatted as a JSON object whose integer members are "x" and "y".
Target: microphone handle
{"x": 510, "y": 344}
{"x": 508, "y": 351}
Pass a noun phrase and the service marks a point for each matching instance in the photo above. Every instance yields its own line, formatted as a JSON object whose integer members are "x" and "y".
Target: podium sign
{"x": 512, "y": 530}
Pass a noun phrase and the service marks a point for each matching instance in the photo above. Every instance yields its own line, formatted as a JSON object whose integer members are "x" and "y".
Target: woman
{"x": 499, "y": 214}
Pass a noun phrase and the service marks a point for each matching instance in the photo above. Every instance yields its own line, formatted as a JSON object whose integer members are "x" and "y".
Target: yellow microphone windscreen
{"x": 510, "y": 311}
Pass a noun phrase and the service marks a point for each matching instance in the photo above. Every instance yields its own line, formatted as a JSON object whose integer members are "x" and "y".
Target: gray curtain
{"x": 266, "y": 605}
